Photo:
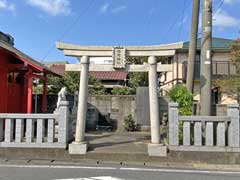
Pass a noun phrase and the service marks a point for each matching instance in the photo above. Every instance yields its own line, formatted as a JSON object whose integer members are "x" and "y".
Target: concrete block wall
{"x": 118, "y": 107}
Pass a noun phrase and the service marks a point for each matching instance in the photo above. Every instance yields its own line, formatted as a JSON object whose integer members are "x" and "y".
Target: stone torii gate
{"x": 119, "y": 54}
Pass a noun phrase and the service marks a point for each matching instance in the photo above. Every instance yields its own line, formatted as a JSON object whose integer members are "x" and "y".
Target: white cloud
{"x": 151, "y": 11}
{"x": 4, "y": 4}
{"x": 223, "y": 19}
{"x": 104, "y": 8}
{"x": 183, "y": 21}
{"x": 52, "y": 7}
{"x": 119, "y": 9}
{"x": 231, "y": 1}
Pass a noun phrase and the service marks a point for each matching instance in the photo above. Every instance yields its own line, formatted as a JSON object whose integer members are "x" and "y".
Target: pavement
{"x": 123, "y": 142}
{"x": 18, "y": 171}
{"x": 114, "y": 149}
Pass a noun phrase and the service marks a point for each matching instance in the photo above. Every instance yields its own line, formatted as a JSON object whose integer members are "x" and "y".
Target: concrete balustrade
{"x": 186, "y": 134}
{"x": 208, "y": 132}
{"x": 8, "y": 130}
{"x": 30, "y": 130}
{"x": 19, "y": 130}
{"x": 221, "y": 134}
{"x": 197, "y": 133}
{"x": 43, "y": 124}
{"x": 233, "y": 135}
{"x": 173, "y": 124}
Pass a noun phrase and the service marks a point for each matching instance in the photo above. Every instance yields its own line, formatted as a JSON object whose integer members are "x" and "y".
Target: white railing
{"x": 35, "y": 130}
{"x": 204, "y": 133}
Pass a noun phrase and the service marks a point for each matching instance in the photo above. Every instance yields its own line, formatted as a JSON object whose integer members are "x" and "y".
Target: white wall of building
{"x": 101, "y": 60}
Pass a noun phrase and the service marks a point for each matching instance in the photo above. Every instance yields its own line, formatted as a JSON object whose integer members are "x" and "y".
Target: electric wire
{"x": 69, "y": 28}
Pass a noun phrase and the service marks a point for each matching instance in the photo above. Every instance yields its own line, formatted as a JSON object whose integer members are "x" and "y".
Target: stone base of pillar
{"x": 78, "y": 148}
{"x": 157, "y": 150}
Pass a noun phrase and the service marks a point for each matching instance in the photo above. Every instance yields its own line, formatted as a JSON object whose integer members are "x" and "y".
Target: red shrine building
{"x": 17, "y": 72}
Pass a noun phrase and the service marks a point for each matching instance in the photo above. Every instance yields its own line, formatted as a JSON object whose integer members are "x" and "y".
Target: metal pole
{"x": 206, "y": 60}
{"x": 193, "y": 45}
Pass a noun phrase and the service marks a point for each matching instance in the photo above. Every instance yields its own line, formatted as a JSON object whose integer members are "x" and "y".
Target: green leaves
{"x": 180, "y": 95}
{"x": 235, "y": 54}
{"x": 129, "y": 123}
{"x": 122, "y": 91}
{"x": 71, "y": 81}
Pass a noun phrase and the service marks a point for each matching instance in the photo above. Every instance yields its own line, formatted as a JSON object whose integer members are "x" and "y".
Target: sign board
{"x": 119, "y": 56}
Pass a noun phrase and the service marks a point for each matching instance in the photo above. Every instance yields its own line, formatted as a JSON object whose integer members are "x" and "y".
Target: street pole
{"x": 193, "y": 45}
{"x": 206, "y": 60}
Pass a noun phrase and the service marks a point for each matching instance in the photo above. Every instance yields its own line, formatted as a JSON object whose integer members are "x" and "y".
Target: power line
{"x": 67, "y": 30}
{"x": 171, "y": 26}
{"x": 219, "y": 7}
{"x": 149, "y": 15}
{"x": 182, "y": 21}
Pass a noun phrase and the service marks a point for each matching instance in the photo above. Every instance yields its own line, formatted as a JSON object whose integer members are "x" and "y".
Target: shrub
{"x": 129, "y": 123}
{"x": 180, "y": 95}
{"x": 122, "y": 91}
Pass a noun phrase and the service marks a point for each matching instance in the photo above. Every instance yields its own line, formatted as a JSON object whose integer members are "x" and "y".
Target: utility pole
{"x": 193, "y": 45}
{"x": 206, "y": 60}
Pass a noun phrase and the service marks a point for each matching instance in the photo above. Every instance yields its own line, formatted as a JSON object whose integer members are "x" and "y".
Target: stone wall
{"x": 114, "y": 107}
{"x": 143, "y": 109}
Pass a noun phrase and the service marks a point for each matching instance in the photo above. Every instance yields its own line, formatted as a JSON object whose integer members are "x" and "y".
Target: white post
{"x": 155, "y": 148}
{"x": 153, "y": 101}
{"x": 234, "y": 127}
{"x": 80, "y": 146}
{"x": 173, "y": 124}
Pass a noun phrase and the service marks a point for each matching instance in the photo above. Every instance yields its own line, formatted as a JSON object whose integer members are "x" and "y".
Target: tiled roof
{"x": 58, "y": 68}
{"x": 49, "y": 63}
{"x": 218, "y": 44}
{"x": 108, "y": 75}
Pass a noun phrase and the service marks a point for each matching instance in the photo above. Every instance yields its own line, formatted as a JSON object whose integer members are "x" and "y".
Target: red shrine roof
{"x": 25, "y": 58}
{"x": 109, "y": 75}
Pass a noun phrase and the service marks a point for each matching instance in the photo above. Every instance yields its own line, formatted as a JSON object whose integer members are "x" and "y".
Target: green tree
{"x": 235, "y": 54}
{"x": 122, "y": 91}
{"x": 230, "y": 84}
{"x": 71, "y": 81}
{"x": 180, "y": 95}
{"x": 138, "y": 79}
{"x": 96, "y": 87}
{"x": 54, "y": 84}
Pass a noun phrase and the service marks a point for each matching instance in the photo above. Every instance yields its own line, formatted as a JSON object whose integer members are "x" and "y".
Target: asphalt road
{"x": 45, "y": 172}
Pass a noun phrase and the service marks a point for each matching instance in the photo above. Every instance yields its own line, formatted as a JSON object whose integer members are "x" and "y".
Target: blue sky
{"x": 37, "y": 24}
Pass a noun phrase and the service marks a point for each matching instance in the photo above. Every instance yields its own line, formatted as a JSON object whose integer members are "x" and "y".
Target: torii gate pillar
{"x": 153, "y": 101}
{"x": 79, "y": 146}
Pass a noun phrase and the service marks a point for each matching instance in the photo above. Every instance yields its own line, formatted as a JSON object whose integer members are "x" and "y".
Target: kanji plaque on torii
{"x": 119, "y": 54}
{"x": 119, "y": 57}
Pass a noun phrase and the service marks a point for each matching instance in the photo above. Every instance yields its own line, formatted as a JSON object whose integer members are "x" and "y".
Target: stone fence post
{"x": 173, "y": 124}
{"x": 234, "y": 127}
{"x": 63, "y": 122}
